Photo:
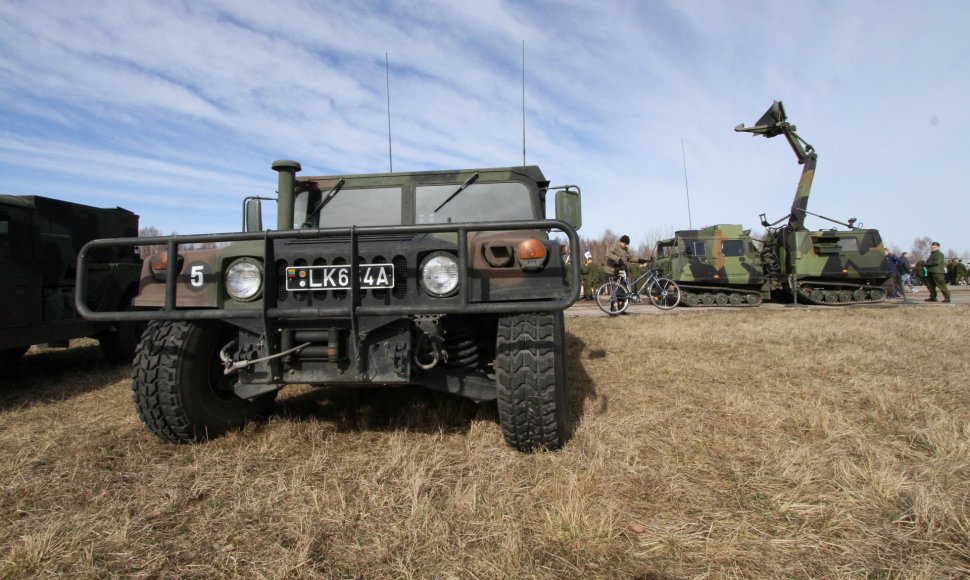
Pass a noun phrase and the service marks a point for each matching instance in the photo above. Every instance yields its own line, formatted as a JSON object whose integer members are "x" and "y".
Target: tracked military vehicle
{"x": 40, "y": 238}
{"x": 446, "y": 279}
{"x": 714, "y": 266}
{"x": 828, "y": 267}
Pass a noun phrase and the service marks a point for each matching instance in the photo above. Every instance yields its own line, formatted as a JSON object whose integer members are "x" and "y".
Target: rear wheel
{"x": 120, "y": 342}
{"x": 12, "y": 354}
{"x": 178, "y": 384}
{"x": 530, "y": 377}
{"x": 611, "y": 298}
{"x": 664, "y": 293}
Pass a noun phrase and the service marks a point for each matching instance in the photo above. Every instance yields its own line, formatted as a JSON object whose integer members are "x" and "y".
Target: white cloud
{"x": 161, "y": 102}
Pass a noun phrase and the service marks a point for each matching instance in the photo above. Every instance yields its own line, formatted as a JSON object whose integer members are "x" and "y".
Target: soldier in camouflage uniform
{"x": 935, "y": 270}
{"x": 959, "y": 272}
{"x": 589, "y": 282}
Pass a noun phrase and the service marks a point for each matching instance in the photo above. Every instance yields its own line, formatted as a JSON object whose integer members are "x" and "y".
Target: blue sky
{"x": 176, "y": 110}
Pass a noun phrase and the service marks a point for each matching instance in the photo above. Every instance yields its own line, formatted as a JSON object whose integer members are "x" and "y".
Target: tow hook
{"x": 428, "y": 352}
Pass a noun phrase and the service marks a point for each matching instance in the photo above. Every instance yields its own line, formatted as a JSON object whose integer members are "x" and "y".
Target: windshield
{"x": 352, "y": 207}
{"x": 477, "y": 202}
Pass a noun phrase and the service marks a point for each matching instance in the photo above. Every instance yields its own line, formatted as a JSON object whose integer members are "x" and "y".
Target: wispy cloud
{"x": 177, "y": 109}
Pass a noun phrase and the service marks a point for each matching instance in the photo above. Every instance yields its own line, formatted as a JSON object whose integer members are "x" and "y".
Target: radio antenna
{"x": 523, "y": 102}
{"x": 686, "y": 187}
{"x": 387, "y": 80}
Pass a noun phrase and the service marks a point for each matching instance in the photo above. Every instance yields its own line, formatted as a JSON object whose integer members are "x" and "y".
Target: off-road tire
{"x": 530, "y": 377}
{"x": 178, "y": 384}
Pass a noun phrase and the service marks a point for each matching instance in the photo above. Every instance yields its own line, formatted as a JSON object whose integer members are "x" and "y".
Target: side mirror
{"x": 569, "y": 207}
{"x": 252, "y": 215}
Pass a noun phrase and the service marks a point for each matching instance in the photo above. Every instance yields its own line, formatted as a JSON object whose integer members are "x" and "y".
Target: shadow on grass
{"x": 56, "y": 374}
{"x": 410, "y": 408}
{"x": 582, "y": 391}
{"x": 416, "y": 408}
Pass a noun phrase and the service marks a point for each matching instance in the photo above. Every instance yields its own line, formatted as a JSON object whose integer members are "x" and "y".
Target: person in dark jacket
{"x": 907, "y": 272}
{"x": 935, "y": 271}
{"x": 896, "y": 268}
{"x": 618, "y": 256}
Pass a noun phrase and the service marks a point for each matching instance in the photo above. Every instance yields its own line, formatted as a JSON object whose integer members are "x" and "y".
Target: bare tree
{"x": 920, "y": 248}
{"x": 148, "y": 251}
{"x": 650, "y": 239}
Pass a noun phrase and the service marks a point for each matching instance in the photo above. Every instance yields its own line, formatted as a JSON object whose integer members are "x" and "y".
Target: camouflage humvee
{"x": 714, "y": 266}
{"x": 39, "y": 242}
{"x": 829, "y": 267}
{"x": 446, "y": 279}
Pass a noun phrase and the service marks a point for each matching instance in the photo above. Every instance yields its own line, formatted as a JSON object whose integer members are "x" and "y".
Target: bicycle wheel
{"x": 664, "y": 293}
{"x": 611, "y": 298}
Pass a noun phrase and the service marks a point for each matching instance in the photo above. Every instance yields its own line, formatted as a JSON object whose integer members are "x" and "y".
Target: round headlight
{"x": 244, "y": 279}
{"x": 439, "y": 274}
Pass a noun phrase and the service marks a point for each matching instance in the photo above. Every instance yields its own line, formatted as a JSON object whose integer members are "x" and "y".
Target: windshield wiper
{"x": 461, "y": 188}
{"x": 323, "y": 201}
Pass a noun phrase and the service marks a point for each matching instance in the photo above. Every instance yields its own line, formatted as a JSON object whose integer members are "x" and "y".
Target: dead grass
{"x": 710, "y": 444}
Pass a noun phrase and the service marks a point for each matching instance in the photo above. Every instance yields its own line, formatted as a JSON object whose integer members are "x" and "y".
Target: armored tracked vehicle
{"x": 828, "y": 267}
{"x": 446, "y": 279}
{"x": 714, "y": 266}
{"x": 40, "y": 239}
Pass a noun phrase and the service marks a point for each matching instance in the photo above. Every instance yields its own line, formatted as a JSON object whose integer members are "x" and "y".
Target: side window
{"x": 849, "y": 244}
{"x": 695, "y": 248}
{"x": 732, "y": 248}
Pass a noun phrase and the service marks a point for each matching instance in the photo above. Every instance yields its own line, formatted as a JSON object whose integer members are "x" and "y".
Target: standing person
{"x": 896, "y": 269}
{"x": 907, "y": 271}
{"x": 618, "y": 256}
{"x": 935, "y": 270}
{"x": 588, "y": 281}
{"x": 616, "y": 262}
{"x": 959, "y": 271}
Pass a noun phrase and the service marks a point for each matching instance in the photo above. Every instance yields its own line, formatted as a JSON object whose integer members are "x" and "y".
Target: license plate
{"x": 372, "y": 277}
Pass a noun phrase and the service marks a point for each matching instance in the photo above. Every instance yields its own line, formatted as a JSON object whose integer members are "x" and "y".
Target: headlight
{"x": 244, "y": 279}
{"x": 439, "y": 274}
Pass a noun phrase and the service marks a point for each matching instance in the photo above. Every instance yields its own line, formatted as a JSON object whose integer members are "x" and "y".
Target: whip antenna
{"x": 686, "y": 187}
{"x": 387, "y": 81}
{"x": 523, "y": 102}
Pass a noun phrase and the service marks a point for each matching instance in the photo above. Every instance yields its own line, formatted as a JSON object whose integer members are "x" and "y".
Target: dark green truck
{"x": 446, "y": 279}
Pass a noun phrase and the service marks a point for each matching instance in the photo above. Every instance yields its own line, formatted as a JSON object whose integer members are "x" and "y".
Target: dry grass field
{"x": 755, "y": 443}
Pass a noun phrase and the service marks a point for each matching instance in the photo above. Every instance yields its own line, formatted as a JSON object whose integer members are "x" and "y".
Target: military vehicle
{"x": 714, "y": 266}
{"x": 446, "y": 279}
{"x": 39, "y": 242}
{"x": 828, "y": 267}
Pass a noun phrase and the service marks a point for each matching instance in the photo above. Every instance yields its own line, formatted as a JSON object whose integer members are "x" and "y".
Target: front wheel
{"x": 178, "y": 384}
{"x": 612, "y": 298}
{"x": 530, "y": 379}
{"x": 664, "y": 293}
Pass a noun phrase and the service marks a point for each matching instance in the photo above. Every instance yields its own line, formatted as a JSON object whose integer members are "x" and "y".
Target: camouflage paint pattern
{"x": 714, "y": 266}
{"x": 828, "y": 267}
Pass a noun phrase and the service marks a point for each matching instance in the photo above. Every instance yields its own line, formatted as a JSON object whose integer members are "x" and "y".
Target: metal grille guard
{"x": 352, "y": 308}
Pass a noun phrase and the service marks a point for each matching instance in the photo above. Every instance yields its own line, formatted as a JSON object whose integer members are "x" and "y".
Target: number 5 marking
{"x": 196, "y": 276}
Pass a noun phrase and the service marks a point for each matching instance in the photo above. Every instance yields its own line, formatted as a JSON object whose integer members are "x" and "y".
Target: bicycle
{"x": 614, "y": 296}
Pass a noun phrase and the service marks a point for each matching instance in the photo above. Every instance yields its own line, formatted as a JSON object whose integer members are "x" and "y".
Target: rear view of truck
{"x": 40, "y": 239}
